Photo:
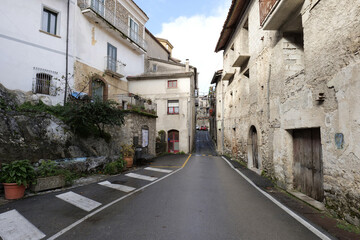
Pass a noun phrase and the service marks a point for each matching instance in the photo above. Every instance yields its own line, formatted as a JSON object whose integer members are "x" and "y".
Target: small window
{"x": 43, "y": 83}
{"x": 173, "y": 106}
{"x": 172, "y": 84}
{"x": 154, "y": 68}
{"x": 49, "y": 21}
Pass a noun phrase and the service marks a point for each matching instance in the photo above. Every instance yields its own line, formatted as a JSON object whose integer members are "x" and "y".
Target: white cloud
{"x": 195, "y": 38}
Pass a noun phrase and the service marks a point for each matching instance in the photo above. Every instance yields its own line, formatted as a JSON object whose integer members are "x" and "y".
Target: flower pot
{"x": 129, "y": 161}
{"x": 13, "y": 191}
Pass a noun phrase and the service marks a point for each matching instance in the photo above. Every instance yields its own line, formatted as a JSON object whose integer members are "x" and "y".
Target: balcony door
{"x": 111, "y": 58}
{"x": 98, "y": 6}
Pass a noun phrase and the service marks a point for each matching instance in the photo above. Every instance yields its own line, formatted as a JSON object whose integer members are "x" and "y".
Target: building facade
{"x": 287, "y": 88}
{"x": 202, "y": 112}
{"x": 110, "y": 45}
{"x": 172, "y": 87}
{"x": 36, "y": 48}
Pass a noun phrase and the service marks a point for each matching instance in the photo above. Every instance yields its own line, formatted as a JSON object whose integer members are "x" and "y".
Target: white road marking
{"x": 142, "y": 177}
{"x": 80, "y": 201}
{"x": 106, "y": 206}
{"x": 158, "y": 170}
{"x": 13, "y": 226}
{"x": 283, "y": 207}
{"x": 120, "y": 187}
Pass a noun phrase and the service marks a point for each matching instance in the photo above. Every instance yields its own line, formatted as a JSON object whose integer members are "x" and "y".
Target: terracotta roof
{"x": 236, "y": 10}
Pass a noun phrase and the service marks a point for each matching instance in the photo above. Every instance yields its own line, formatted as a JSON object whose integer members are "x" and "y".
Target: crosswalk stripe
{"x": 120, "y": 187}
{"x": 79, "y": 201}
{"x": 15, "y": 227}
{"x": 158, "y": 170}
{"x": 142, "y": 177}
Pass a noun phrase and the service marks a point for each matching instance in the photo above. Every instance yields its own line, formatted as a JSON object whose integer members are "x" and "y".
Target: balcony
{"x": 241, "y": 60}
{"x": 114, "y": 68}
{"x": 134, "y": 103}
{"x": 276, "y": 13}
{"x": 98, "y": 13}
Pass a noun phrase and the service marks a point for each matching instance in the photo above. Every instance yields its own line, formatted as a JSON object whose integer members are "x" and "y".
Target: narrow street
{"x": 206, "y": 199}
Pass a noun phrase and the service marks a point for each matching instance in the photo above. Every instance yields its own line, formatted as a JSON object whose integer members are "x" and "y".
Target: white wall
{"x": 23, "y": 46}
{"x": 91, "y": 47}
{"x": 157, "y": 91}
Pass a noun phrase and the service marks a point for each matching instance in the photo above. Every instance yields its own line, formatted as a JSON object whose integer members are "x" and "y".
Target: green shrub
{"x": 20, "y": 172}
{"x": 48, "y": 168}
{"x": 115, "y": 167}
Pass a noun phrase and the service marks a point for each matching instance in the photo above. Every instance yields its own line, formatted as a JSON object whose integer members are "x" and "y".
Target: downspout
{"x": 222, "y": 116}
{"x": 67, "y": 51}
{"x": 268, "y": 93}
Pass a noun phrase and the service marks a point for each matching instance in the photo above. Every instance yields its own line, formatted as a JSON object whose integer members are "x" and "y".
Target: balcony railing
{"x": 114, "y": 67}
{"x": 107, "y": 14}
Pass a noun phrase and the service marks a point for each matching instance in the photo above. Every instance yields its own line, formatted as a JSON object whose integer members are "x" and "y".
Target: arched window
{"x": 43, "y": 81}
{"x": 173, "y": 141}
{"x": 97, "y": 89}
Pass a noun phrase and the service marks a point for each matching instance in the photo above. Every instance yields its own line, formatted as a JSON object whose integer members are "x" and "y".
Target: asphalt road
{"x": 202, "y": 198}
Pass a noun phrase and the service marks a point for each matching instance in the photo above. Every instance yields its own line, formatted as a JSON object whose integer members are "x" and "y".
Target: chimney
{"x": 187, "y": 69}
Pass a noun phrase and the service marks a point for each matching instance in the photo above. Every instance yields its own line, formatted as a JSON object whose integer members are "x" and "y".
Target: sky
{"x": 193, "y": 27}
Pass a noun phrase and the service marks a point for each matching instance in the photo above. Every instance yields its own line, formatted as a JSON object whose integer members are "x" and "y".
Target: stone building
{"x": 285, "y": 101}
{"x": 202, "y": 112}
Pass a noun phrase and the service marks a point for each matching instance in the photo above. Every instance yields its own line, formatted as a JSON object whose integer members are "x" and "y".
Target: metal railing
{"x": 109, "y": 15}
{"x": 114, "y": 65}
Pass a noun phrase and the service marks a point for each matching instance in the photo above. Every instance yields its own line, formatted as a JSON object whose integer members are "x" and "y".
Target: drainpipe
{"x": 67, "y": 51}
{"x": 268, "y": 92}
{"x": 222, "y": 116}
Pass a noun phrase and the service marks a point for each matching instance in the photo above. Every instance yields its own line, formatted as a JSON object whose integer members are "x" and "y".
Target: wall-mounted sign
{"x": 339, "y": 140}
{"x": 145, "y": 137}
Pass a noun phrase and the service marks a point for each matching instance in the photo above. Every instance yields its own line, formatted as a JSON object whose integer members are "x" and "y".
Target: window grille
{"x": 43, "y": 81}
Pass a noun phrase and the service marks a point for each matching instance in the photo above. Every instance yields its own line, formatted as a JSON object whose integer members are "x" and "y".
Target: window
{"x": 98, "y": 6}
{"x": 134, "y": 29}
{"x": 49, "y": 21}
{"x": 111, "y": 58}
{"x": 97, "y": 89}
{"x": 43, "y": 83}
{"x": 173, "y": 106}
{"x": 154, "y": 67}
{"x": 172, "y": 84}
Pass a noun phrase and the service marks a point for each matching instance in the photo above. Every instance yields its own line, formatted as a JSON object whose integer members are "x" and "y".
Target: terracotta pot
{"x": 129, "y": 161}
{"x": 13, "y": 191}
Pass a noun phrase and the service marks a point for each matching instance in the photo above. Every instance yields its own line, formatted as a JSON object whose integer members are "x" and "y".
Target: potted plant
{"x": 49, "y": 176}
{"x": 16, "y": 176}
{"x": 127, "y": 152}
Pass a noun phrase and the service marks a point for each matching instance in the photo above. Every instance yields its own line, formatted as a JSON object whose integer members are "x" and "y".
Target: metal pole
{"x": 67, "y": 52}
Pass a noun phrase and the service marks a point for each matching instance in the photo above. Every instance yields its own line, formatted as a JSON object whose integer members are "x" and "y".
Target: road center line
{"x": 106, "y": 206}
{"x": 283, "y": 207}
{"x": 186, "y": 161}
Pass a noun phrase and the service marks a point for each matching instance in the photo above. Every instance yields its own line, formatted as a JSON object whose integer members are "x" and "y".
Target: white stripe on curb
{"x": 79, "y": 201}
{"x": 119, "y": 187}
{"x": 287, "y": 210}
{"x": 158, "y": 170}
{"x": 142, "y": 177}
{"x": 15, "y": 227}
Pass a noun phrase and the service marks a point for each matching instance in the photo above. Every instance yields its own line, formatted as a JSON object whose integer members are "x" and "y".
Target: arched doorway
{"x": 98, "y": 88}
{"x": 253, "y": 155}
{"x": 173, "y": 141}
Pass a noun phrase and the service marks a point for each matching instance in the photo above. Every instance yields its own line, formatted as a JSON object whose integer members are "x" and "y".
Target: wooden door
{"x": 254, "y": 149}
{"x": 308, "y": 174}
{"x": 173, "y": 141}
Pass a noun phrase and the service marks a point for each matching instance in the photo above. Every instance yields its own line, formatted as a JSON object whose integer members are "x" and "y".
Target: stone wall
{"x": 279, "y": 90}
{"x": 36, "y": 136}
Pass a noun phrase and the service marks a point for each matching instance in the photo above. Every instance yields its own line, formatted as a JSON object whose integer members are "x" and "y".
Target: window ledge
{"x": 49, "y": 33}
